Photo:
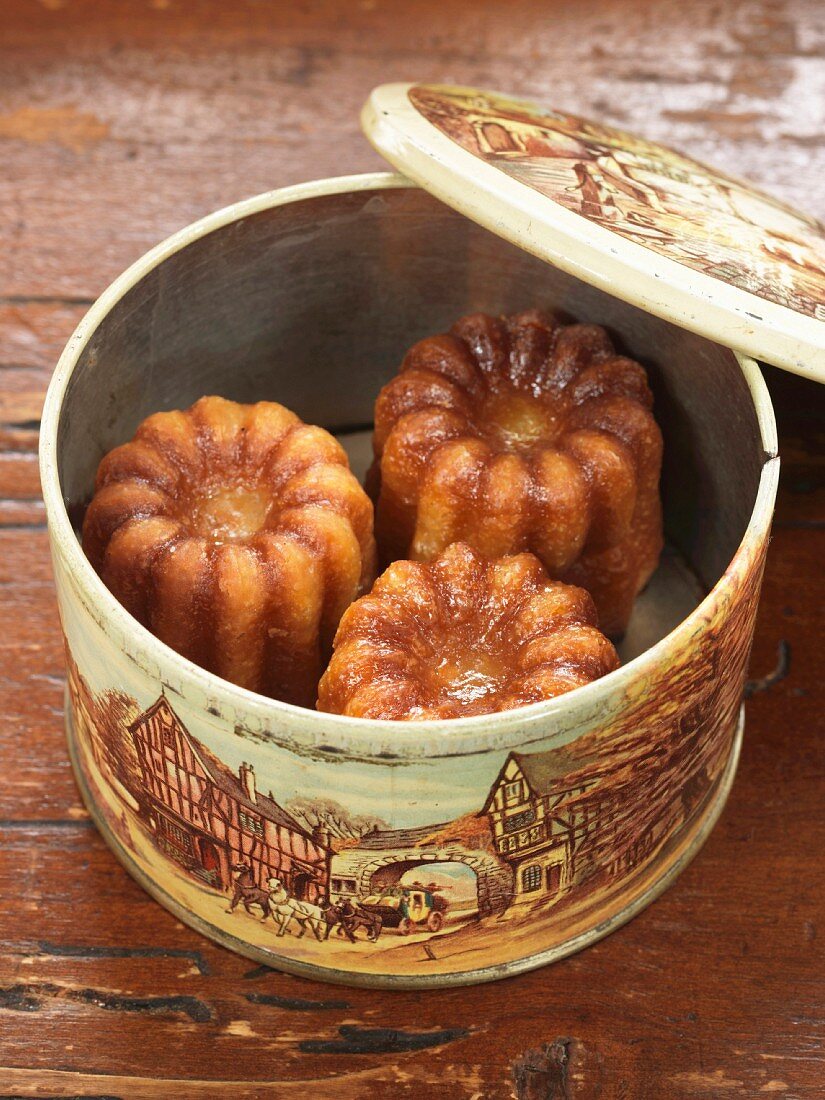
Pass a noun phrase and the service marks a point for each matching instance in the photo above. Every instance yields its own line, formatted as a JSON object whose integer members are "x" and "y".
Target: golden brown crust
{"x": 460, "y": 636}
{"x": 238, "y": 535}
{"x": 519, "y": 433}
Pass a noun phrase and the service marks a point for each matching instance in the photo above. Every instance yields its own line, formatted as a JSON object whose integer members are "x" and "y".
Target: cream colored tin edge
{"x": 466, "y": 735}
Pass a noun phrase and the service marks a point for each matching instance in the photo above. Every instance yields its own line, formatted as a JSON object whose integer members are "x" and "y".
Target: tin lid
{"x": 646, "y": 224}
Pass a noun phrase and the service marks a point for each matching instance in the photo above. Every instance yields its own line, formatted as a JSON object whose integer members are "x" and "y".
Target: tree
{"x": 114, "y": 712}
{"x": 312, "y": 812}
{"x": 646, "y": 774}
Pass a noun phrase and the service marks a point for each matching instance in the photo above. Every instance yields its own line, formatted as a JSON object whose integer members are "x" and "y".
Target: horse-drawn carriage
{"x": 407, "y": 908}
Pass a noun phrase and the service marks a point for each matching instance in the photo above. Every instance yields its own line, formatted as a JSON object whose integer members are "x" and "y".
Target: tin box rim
{"x": 273, "y": 721}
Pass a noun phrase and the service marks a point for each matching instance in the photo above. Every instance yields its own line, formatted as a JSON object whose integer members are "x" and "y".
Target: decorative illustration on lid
{"x": 646, "y": 193}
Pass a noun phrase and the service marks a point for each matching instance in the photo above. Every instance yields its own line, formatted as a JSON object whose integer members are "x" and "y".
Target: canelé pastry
{"x": 462, "y": 635}
{"x": 520, "y": 433}
{"x": 238, "y": 535}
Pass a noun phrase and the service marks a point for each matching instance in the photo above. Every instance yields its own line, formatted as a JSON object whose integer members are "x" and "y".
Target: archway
{"x": 430, "y": 895}
{"x": 494, "y": 880}
{"x": 456, "y": 883}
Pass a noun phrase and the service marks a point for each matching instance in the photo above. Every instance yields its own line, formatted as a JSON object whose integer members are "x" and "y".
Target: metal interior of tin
{"x": 314, "y": 303}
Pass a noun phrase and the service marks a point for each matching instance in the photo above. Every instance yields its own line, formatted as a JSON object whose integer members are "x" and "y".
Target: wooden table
{"x": 118, "y": 124}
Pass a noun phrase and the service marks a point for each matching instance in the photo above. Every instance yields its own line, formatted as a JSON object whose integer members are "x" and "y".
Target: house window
{"x": 512, "y": 792}
{"x": 251, "y": 823}
{"x": 531, "y": 878}
{"x": 518, "y": 821}
{"x": 167, "y": 734}
{"x": 181, "y": 838}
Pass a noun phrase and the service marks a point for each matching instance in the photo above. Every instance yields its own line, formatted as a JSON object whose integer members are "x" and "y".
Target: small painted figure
{"x": 247, "y": 890}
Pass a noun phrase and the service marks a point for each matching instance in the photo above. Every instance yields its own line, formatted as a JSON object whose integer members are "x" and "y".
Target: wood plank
{"x": 164, "y": 114}
{"x": 800, "y": 417}
{"x": 19, "y": 475}
{"x": 24, "y": 1082}
{"x": 33, "y": 333}
{"x": 120, "y": 123}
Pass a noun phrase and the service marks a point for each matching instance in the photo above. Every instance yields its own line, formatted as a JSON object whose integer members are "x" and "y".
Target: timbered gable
{"x": 516, "y": 810}
{"x": 172, "y": 771}
{"x": 535, "y": 815}
{"x": 509, "y": 788}
{"x": 209, "y": 819}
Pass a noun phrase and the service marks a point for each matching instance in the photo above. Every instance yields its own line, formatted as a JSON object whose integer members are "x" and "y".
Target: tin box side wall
{"x": 81, "y": 373}
{"x": 599, "y": 819}
{"x": 314, "y": 303}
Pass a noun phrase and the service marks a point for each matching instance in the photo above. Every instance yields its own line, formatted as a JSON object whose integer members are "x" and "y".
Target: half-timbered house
{"x": 537, "y": 823}
{"x": 209, "y": 820}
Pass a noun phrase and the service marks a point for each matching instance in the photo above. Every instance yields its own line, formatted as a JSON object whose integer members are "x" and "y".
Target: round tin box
{"x": 500, "y": 842}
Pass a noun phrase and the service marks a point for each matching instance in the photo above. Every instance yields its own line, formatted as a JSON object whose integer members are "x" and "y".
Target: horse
{"x": 285, "y": 908}
{"x": 335, "y": 914}
{"x": 330, "y": 917}
{"x": 349, "y": 918}
{"x": 353, "y": 917}
{"x": 247, "y": 890}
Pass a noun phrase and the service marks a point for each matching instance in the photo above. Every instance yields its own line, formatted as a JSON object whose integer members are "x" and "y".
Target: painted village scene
{"x": 554, "y": 837}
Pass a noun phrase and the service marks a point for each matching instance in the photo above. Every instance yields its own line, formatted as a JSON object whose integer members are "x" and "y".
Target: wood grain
{"x": 118, "y": 124}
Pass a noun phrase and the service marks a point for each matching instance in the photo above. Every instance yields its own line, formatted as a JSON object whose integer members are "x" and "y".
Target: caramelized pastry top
{"x": 238, "y": 535}
{"x": 520, "y": 433}
{"x": 462, "y": 636}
